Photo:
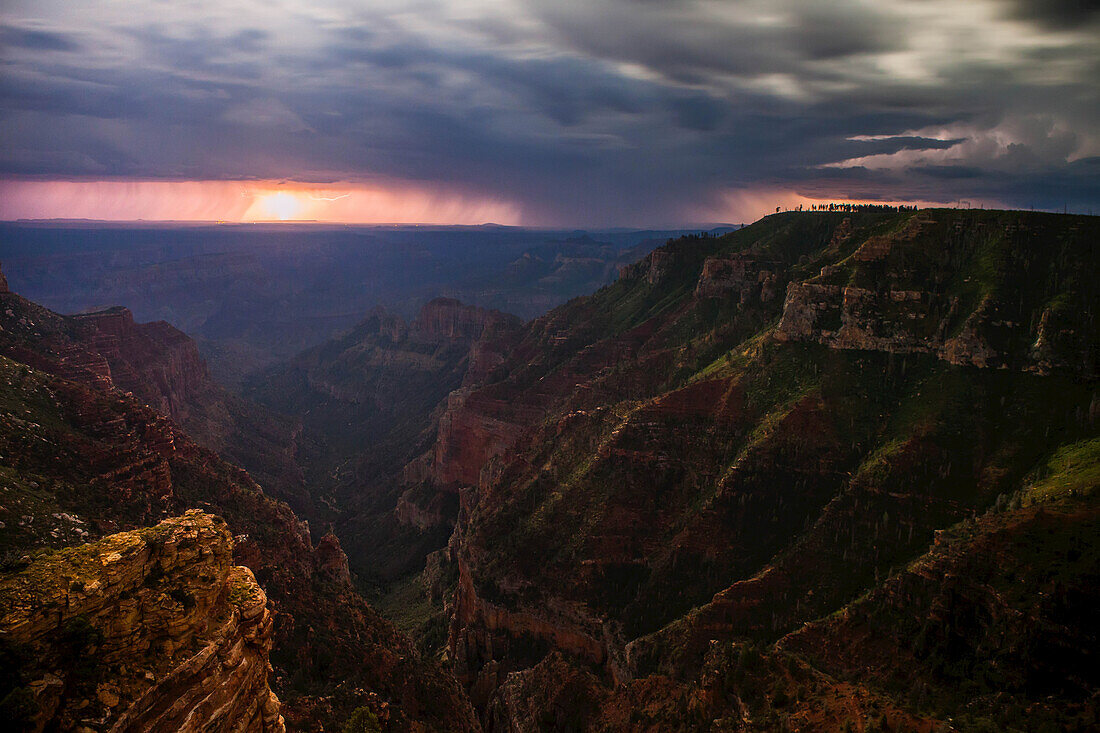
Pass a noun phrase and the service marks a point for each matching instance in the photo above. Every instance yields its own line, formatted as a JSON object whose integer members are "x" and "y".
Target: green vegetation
{"x": 932, "y": 517}
{"x": 17, "y": 704}
{"x": 409, "y": 606}
{"x": 801, "y": 476}
{"x": 362, "y": 720}
{"x": 79, "y": 643}
{"x": 1073, "y": 470}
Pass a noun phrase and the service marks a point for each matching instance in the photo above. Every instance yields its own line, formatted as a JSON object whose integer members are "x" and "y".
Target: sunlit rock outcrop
{"x": 149, "y": 630}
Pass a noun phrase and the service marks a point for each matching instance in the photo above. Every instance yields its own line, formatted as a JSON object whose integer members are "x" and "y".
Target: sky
{"x": 542, "y": 112}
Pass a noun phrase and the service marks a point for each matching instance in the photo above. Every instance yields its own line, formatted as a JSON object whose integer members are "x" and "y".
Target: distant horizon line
{"x": 482, "y": 225}
{"x": 342, "y": 224}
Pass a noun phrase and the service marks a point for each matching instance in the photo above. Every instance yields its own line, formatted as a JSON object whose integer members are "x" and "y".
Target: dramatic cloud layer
{"x": 564, "y": 111}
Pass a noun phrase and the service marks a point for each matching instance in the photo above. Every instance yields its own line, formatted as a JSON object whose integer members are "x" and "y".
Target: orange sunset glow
{"x": 248, "y": 201}
{"x": 253, "y": 201}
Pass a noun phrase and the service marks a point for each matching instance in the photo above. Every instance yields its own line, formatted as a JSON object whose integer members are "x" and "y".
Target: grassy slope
{"x": 915, "y": 443}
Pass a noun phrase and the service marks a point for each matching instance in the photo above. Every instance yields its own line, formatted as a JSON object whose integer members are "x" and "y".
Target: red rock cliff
{"x": 168, "y": 634}
{"x": 156, "y": 361}
{"x": 450, "y": 318}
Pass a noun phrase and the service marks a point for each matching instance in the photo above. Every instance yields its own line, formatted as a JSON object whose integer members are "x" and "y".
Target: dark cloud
{"x": 697, "y": 111}
{"x": 1056, "y": 13}
{"x": 948, "y": 172}
{"x": 36, "y": 40}
{"x": 837, "y": 30}
{"x": 610, "y": 112}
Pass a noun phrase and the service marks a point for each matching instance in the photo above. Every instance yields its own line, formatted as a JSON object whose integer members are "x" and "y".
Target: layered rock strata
{"x": 147, "y": 630}
{"x": 659, "y": 482}
{"x": 161, "y": 367}
{"x": 78, "y": 462}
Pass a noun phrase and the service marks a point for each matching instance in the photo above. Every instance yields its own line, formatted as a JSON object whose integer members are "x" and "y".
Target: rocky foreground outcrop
{"x": 78, "y": 462}
{"x": 148, "y": 630}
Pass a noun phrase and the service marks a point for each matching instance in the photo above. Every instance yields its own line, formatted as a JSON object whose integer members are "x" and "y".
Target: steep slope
{"x": 366, "y": 401}
{"x": 161, "y": 367}
{"x": 747, "y": 433}
{"x": 995, "y": 620}
{"x": 79, "y": 462}
{"x": 149, "y": 630}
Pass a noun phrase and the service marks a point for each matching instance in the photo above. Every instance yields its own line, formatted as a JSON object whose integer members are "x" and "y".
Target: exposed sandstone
{"x": 653, "y": 268}
{"x": 330, "y": 560}
{"x": 474, "y": 429}
{"x": 954, "y": 292}
{"x": 148, "y": 630}
{"x": 554, "y": 695}
{"x": 161, "y": 367}
{"x": 423, "y": 512}
{"x": 893, "y": 321}
{"x": 805, "y": 305}
{"x": 450, "y": 318}
{"x": 155, "y": 361}
{"x": 999, "y": 596}
{"x": 89, "y": 462}
{"x": 484, "y": 637}
{"x": 745, "y": 276}
{"x": 841, "y": 235}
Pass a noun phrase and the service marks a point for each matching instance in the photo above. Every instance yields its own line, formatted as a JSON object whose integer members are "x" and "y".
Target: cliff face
{"x": 386, "y": 370}
{"x": 961, "y": 289}
{"x": 250, "y": 294}
{"x": 996, "y": 610}
{"x": 684, "y": 503}
{"x": 743, "y": 275}
{"x": 80, "y": 462}
{"x": 148, "y": 630}
{"x": 161, "y": 367}
{"x": 449, "y": 318}
{"x": 159, "y": 364}
{"x": 687, "y": 465}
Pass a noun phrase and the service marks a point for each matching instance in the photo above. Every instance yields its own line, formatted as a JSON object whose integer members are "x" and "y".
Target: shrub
{"x": 19, "y": 709}
{"x": 362, "y": 720}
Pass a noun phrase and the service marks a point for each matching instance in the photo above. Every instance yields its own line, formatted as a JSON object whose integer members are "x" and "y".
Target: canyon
{"x": 148, "y": 630}
{"x": 831, "y": 471}
{"x": 83, "y": 459}
{"x": 690, "y": 466}
{"x": 365, "y": 402}
{"x": 255, "y": 295}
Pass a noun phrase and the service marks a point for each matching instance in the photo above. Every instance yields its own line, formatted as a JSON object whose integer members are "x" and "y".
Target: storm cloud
{"x": 580, "y": 112}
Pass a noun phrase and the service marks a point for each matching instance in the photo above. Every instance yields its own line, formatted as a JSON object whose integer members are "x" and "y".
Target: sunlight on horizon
{"x": 351, "y": 203}
{"x": 282, "y": 205}
{"x": 251, "y": 201}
